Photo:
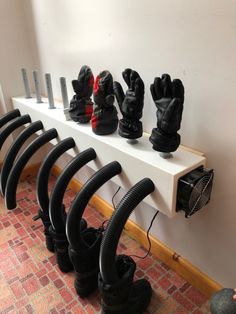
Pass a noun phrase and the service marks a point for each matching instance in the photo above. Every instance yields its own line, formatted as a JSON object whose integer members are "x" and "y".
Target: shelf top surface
{"x": 182, "y": 158}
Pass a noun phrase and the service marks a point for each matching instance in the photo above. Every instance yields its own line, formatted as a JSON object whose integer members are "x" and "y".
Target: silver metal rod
{"x": 26, "y": 83}
{"x": 64, "y": 92}
{"x": 37, "y": 87}
{"x": 49, "y": 90}
{"x": 67, "y": 114}
{"x": 166, "y": 155}
{"x": 132, "y": 141}
{"x": 65, "y": 98}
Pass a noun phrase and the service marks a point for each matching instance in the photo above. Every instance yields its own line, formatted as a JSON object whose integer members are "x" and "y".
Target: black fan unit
{"x": 194, "y": 190}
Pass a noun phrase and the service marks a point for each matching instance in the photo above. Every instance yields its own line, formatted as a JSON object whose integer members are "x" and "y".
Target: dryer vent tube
{"x": 85, "y": 246}
{"x": 14, "y": 176}
{"x": 118, "y": 291}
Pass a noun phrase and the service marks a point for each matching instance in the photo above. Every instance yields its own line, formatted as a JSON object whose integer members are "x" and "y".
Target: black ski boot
{"x": 85, "y": 261}
{"x": 46, "y": 222}
{"x": 125, "y": 296}
{"x": 61, "y": 245}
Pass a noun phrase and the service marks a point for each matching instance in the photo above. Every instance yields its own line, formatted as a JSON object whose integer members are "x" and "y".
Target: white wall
{"x": 16, "y": 52}
{"x": 192, "y": 40}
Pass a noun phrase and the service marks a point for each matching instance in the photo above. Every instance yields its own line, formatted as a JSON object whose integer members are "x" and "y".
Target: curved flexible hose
{"x": 42, "y": 189}
{"x": 16, "y": 123}
{"x": 56, "y": 211}
{"x": 116, "y": 224}
{"x": 44, "y": 171}
{"x": 10, "y": 194}
{"x": 9, "y": 116}
{"x": 81, "y": 200}
{"x": 14, "y": 149}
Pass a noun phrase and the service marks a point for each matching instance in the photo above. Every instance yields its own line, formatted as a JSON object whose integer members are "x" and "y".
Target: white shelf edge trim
{"x": 138, "y": 161}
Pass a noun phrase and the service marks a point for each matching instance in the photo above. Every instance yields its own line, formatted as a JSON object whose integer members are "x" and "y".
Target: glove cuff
{"x": 104, "y": 120}
{"x": 130, "y": 129}
{"x": 163, "y": 142}
{"x": 81, "y": 109}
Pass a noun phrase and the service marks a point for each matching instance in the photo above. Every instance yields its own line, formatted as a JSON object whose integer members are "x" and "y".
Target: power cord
{"x": 149, "y": 228}
{"x": 114, "y": 206}
{"x": 148, "y": 238}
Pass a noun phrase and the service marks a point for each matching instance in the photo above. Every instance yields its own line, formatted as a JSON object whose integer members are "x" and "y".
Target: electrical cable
{"x": 147, "y": 234}
{"x": 114, "y": 197}
{"x": 148, "y": 238}
{"x": 107, "y": 257}
{"x": 114, "y": 206}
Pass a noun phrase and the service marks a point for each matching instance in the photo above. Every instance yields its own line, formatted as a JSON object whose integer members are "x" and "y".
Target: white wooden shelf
{"x": 137, "y": 161}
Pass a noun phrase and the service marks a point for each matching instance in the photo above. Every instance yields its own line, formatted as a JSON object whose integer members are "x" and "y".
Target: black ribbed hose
{"x": 81, "y": 201}
{"x": 57, "y": 211}
{"x": 9, "y": 116}
{"x": 56, "y": 208}
{"x": 42, "y": 187}
{"x": 44, "y": 172}
{"x": 12, "y": 126}
{"x": 14, "y": 149}
{"x": 116, "y": 224}
{"x": 12, "y": 182}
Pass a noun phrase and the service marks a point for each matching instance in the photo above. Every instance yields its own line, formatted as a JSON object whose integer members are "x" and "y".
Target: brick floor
{"x": 31, "y": 282}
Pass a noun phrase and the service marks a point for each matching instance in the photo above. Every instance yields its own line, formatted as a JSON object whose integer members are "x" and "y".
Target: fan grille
{"x": 201, "y": 192}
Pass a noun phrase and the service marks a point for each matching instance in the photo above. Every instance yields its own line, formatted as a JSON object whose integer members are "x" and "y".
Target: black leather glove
{"x": 104, "y": 118}
{"x": 131, "y": 104}
{"x": 169, "y": 98}
{"x": 81, "y": 105}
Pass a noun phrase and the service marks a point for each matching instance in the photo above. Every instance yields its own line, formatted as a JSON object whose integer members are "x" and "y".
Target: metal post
{"x": 132, "y": 141}
{"x": 49, "y": 90}
{"x": 65, "y": 98}
{"x": 37, "y": 87}
{"x": 64, "y": 92}
{"x": 26, "y": 83}
{"x": 166, "y": 155}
